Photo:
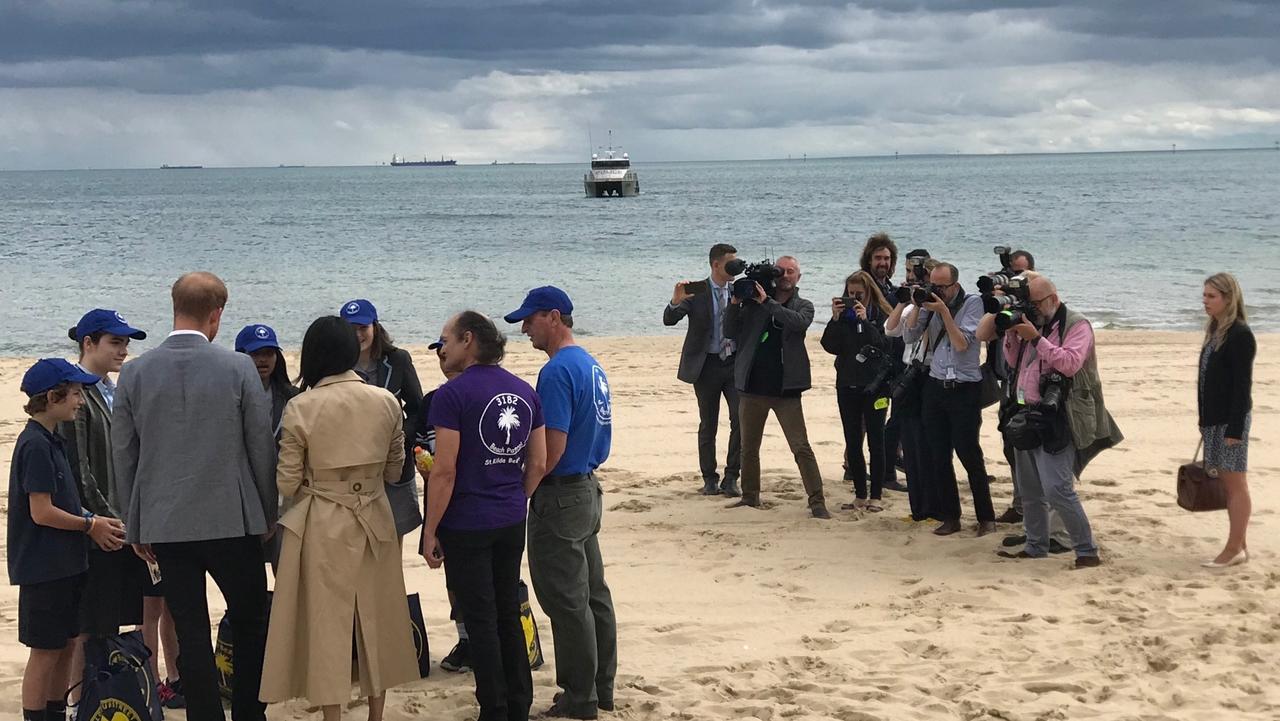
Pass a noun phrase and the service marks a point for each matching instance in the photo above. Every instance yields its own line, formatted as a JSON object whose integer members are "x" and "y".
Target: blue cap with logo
{"x": 548, "y": 297}
{"x": 359, "y": 312}
{"x": 256, "y": 337}
{"x": 106, "y": 321}
{"x": 48, "y": 373}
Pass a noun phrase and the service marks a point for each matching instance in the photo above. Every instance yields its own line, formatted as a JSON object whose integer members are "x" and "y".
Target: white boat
{"x": 611, "y": 174}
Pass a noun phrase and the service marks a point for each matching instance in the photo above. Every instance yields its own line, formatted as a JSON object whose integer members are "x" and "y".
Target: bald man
{"x": 1052, "y": 346}
{"x": 195, "y": 471}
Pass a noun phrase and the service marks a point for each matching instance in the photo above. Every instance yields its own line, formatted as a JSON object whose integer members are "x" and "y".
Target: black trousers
{"x": 716, "y": 381}
{"x": 892, "y": 443}
{"x": 482, "y": 570}
{"x": 860, "y": 418}
{"x": 952, "y": 422}
{"x": 922, "y": 492}
{"x": 238, "y": 566}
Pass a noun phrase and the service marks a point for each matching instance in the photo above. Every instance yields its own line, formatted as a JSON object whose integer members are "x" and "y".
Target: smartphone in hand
{"x": 695, "y": 287}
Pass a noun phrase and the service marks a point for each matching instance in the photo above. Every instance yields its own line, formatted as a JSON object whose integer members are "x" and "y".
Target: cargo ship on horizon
{"x": 398, "y": 162}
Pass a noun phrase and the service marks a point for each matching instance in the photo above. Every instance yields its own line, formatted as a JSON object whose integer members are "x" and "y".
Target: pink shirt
{"x": 1047, "y": 356}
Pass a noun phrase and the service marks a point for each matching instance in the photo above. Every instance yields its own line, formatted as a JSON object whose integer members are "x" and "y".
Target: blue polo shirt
{"x": 41, "y": 553}
{"x": 577, "y": 400}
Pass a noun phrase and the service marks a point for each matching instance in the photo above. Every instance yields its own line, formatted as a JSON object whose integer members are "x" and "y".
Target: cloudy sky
{"x": 137, "y": 83}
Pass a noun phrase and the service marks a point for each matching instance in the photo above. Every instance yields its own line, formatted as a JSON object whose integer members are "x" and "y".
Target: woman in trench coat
{"x": 340, "y": 567}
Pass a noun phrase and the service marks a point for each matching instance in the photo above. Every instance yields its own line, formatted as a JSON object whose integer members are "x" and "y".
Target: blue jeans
{"x": 1048, "y": 480}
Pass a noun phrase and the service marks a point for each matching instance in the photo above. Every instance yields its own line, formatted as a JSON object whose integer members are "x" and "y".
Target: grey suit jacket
{"x": 697, "y": 335}
{"x": 192, "y": 442}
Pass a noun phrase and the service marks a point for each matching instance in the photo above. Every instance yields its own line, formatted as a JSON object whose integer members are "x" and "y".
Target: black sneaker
{"x": 170, "y": 694}
{"x": 459, "y": 659}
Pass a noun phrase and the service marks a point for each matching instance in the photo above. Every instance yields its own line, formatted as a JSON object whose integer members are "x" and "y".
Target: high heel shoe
{"x": 1240, "y": 558}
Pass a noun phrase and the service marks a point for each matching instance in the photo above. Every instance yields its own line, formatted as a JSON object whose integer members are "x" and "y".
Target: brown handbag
{"x": 1199, "y": 488}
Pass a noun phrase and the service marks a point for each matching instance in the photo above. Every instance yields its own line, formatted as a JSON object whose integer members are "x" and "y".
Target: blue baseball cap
{"x": 548, "y": 297}
{"x": 256, "y": 337}
{"x": 49, "y": 372}
{"x": 359, "y": 312}
{"x": 106, "y": 321}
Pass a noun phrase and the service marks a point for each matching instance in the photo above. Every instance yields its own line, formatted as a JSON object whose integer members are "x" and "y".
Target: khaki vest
{"x": 1093, "y": 430}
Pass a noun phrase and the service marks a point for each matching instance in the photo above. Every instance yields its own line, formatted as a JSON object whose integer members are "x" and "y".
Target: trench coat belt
{"x": 360, "y": 504}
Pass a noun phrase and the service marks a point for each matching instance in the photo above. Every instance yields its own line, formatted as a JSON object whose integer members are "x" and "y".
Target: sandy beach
{"x": 769, "y": 614}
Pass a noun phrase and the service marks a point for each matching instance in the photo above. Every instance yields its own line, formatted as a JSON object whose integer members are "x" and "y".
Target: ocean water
{"x": 1127, "y": 237}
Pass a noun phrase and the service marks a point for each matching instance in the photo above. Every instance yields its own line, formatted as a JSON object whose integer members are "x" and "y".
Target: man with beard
{"x": 880, "y": 258}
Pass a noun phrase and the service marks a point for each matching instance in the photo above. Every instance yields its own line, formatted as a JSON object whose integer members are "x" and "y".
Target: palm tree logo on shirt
{"x": 503, "y": 426}
{"x": 508, "y": 421}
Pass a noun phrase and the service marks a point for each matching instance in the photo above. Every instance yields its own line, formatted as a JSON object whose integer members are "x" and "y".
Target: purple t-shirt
{"x": 494, "y": 412}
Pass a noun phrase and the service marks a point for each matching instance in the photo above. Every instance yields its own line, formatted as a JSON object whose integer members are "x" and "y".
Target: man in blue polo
{"x": 565, "y": 510}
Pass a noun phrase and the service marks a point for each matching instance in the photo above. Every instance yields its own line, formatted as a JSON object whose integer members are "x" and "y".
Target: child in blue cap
{"x": 259, "y": 342}
{"x": 47, "y": 551}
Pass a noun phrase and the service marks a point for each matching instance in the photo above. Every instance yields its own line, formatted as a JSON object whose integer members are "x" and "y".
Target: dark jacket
{"x": 1226, "y": 386}
{"x": 744, "y": 323}
{"x": 845, "y": 338}
{"x": 88, "y": 443}
{"x": 280, "y": 396}
{"x": 693, "y": 354}
{"x": 396, "y": 373}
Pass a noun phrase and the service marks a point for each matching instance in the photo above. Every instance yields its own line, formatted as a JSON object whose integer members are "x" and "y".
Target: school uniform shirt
{"x": 577, "y": 401}
{"x": 40, "y": 553}
{"x": 494, "y": 413}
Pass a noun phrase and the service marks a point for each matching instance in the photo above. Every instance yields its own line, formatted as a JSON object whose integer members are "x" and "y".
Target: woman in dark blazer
{"x": 1224, "y": 395}
{"x": 386, "y": 366}
{"x": 857, "y": 321}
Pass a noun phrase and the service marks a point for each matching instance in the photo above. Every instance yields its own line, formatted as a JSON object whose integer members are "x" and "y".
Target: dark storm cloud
{"x": 98, "y": 29}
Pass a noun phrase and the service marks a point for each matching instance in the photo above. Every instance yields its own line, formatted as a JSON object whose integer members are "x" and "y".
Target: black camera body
{"x": 764, "y": 273}
{"x": 1054, "y": 389}
{"x": 881, "y": 361}
{"x": 909, "y": 379}
{"x": 1015, "y": 302}
{"x": 917, "y": 294}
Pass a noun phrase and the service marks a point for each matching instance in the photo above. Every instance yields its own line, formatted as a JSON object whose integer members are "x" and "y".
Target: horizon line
{"x": 1173, "y": 150}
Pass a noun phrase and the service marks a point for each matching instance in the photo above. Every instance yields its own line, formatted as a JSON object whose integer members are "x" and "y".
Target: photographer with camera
{"x": 864, "y": 364}
{"x": 1020, "y": 261}
{"x": 771, "y": 371}
{"x": 880, "y": 258}
{"x": 1055, "y": 416}
{"x": 907, "y": 394}
{"x": 706, "y": 361}
{"x": 952, "y": 408}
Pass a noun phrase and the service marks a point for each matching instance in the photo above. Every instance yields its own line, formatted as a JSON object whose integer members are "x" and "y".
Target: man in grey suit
{"x": 195, "y": 475}
{"x": 706, "y": 361}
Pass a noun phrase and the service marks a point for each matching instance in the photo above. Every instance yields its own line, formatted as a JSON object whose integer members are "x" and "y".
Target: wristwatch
{"x": 88, "y": 521}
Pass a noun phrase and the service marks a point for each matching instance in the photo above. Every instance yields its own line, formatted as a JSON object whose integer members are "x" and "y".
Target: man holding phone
{"x": 706, "y": 361}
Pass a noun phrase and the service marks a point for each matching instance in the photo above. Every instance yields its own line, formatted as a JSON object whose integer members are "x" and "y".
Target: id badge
{"x": 881, "y": 404}
{"x": 951, "y": 373}
{"x": 154, "y": 569}
{"x": 1022, "y": 397}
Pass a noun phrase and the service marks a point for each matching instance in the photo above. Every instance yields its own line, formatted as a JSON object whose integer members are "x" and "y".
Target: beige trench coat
{"x": 340, "y": 565}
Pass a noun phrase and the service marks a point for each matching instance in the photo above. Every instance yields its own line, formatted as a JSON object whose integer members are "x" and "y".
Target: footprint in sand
{"x": 818, "y": 643}
{"x": 837, "y": 627}
{"x": 1053, "y": 686}
{"x": 632, "y": 506}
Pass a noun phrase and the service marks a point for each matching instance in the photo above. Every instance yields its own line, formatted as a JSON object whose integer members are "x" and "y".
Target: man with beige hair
{"x": 195, "y": 474}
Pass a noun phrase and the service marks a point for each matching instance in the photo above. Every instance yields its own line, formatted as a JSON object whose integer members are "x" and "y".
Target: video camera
{"x": 1014, "y": 302}
{"x": 881, "y": 361}
{"x": 764, "y": 273}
